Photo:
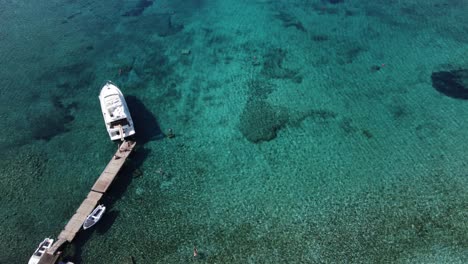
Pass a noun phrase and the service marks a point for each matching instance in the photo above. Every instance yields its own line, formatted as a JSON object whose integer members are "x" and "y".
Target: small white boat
{"x": 117, "y": 117}
{"x": 94, "y": 217}
{"x": 41, "y": 249}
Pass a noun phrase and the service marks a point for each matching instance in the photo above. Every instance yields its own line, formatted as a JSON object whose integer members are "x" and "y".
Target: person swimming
{"x": 195, "y": 252}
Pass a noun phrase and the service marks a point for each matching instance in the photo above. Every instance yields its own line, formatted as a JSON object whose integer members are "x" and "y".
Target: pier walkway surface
{"x": 87, "y": 206}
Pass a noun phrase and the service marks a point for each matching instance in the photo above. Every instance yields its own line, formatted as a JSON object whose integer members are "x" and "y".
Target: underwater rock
{"x": 290, "y": 21}
{"x": 320, "y": 37}
{"x": 367, "y": 134}
{"x": 71, "y": 77}
{"x": 49, "y": 125}
{"x": 53, "y": 121}
{"x": 260, "y": 121}
{"x": 139, "y": 8}
{"x": 349, "y": 52}
{"x": 335, "y": 1}
{"x": 451, "y": 83}
{"x": 273, "y": 66}
{"x": 259, "y": 89}
{"x": 133, "y": 79}
{"x": 164, "y": 25}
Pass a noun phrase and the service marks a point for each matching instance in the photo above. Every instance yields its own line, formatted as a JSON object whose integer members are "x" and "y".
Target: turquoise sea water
{"x": 318, "y": 131}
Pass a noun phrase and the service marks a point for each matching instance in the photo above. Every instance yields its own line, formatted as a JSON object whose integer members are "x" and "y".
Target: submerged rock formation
{"x": 451, "y": 83}
{"x": 260, "y": 121}
{"x": 139, "y": 8}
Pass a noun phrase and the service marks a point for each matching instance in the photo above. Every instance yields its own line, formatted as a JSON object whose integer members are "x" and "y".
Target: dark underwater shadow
{"x": 106, "y": 222}
{"x": 147, "y": 129}
{"x": 146, "y": 125}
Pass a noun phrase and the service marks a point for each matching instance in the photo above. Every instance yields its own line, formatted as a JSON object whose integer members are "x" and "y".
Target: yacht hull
{"x": 41, "y": 249}
{"x": 94, "y": 217}
{"x": 117, "y": 118}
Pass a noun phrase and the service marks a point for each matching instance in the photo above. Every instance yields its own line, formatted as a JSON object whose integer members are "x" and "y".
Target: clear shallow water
{"x": 306, "y": 131}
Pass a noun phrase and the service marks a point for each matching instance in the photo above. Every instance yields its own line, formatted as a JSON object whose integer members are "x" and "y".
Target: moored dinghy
{"x": 116, "y": 114}
{"x": 94, "y": 217}
{"x": 41, "y": 249}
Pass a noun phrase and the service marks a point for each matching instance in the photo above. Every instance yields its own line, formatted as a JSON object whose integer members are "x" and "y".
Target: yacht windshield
{"x": 120, "y": 122}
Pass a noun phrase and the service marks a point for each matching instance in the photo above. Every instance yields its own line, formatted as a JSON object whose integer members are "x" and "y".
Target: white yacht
{"x": 94, "y": 217}
{"x": 41, "y": 249}
{"x": 117, "y": 117}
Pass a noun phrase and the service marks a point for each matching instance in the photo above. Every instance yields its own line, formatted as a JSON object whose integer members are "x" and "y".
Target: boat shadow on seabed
{"x": 147, "y": 129}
